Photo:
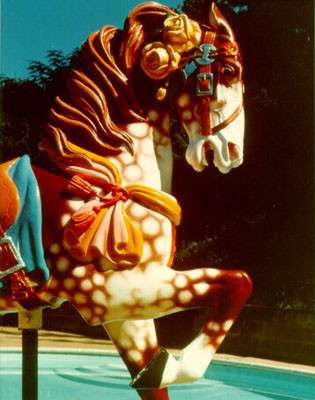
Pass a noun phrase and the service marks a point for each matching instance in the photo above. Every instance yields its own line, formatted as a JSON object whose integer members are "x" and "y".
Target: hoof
{"x": 150, "y": 376}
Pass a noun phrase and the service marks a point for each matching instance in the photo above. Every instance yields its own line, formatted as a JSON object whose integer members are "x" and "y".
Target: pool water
{"x": 99, "y": 376}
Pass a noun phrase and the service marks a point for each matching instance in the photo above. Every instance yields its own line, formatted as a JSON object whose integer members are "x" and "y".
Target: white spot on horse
{"x": 54, "y": 248}
{"x": 166, "y": 291}
{"x": 162, "y": 244}
{"x": 151, "y": 338}
{"x": 98, "y": 310}
{"x": 183, "y": 100}
{"x": 220, "y": 339}
{"x": 227, "y": 325}
{"x": 153, "y": 115}
{"x": 63, "y": 264}
{"x": 213, "y": 326}
{"x": 133, "y": 173}
{"x": 64, "y": 295}
{"x": 80, "y": 298}
{"x": 150, "y": 226}
{"x": 79, "y": 272}
{"x": 147, "y": 252}
{"x": 165, "y": 141}
{"x": 53, "y": 283}
{"x": 195, "y": 274}
{"x": 138, "y": 130}
{"x": 194, "y": 129}
{"x": 98, "y": 279}
{"x": 161, "y": 150}
{"x": 86, "y": 313}
{"x": 86, "y": 285}
{"x": 124, "y": 342}
{"x": 152, "y": 265}
{"x": 99, "y": 297}
{"x": 69, "y": 283}
{"x": 201, "y": 288}
{"x": 95, "y": 321}
{"x": 138, "y": 325}
{"x": 187, "y": 115}
{"x": 166, "y": 304}
{"x": 166, "y": 227}
{"x": 147, "y": 147}
{"x": 126, "y": 158}
{"x": 65, "y": 218}
{"x": 134, "y": 356}
{"x": 185, "y": 296}
{"x": 137, "y": 211}
{"x": 180, "y": 281}
{"x": 212, "y": 273}
{"x": 141, "y": 344}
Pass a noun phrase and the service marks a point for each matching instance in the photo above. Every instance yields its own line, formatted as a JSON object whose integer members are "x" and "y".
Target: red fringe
{"x": 82, "y": 221}
{"x": 80, "y": 187}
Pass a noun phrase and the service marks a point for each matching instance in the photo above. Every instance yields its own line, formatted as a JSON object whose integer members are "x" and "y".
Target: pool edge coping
{"x": 219, "y": 359}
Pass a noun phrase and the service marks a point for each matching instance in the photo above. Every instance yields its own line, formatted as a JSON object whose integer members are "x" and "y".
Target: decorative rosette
{"x": 180, "y": 34}
{"x": 158, "y": 60}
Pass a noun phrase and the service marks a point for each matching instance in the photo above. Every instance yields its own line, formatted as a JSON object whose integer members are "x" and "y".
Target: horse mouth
{"x": 208, "y": 152}
{"x": 231, "y": 158}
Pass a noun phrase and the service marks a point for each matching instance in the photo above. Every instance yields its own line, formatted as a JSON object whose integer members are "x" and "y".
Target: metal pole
{"x": 29, "y": 323}
{"x": 29, "y": 364}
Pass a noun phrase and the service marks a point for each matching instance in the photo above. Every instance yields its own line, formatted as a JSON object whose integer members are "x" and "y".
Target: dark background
{"x": 259, "y": 217}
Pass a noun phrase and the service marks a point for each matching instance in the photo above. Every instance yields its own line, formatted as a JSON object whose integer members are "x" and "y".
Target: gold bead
{"x": 161, "y": 94}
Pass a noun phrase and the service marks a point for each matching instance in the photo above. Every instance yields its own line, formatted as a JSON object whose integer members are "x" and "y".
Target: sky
{"x": 29, "y": 28}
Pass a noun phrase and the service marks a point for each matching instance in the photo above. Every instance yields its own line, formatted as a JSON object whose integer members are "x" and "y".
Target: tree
{"x": 26, "y": 102}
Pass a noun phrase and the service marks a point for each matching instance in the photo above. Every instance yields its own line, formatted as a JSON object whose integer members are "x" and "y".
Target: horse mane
{"x": 100, "y": 99}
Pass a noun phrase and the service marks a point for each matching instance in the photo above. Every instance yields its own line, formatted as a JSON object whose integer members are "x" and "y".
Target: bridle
{"x": 207, "y": 55}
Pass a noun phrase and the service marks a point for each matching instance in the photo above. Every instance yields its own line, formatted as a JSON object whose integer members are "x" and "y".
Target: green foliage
{"x": 25, "y": 103}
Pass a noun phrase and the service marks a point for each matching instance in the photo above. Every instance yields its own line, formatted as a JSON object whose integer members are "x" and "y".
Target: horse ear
{"x": 219, "y": 23}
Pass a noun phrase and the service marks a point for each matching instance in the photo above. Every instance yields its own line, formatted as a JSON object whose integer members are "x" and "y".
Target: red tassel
{"x": 80, "y": 187}
{"x": 82, "y": 221}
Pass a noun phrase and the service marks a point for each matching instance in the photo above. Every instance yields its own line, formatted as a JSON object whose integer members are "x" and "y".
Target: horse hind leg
{"x": 224, "y": 293}
{"x": 137, "y": 345}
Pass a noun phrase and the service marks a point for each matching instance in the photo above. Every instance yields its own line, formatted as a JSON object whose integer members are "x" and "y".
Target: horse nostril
{"x": 233, "y": 151}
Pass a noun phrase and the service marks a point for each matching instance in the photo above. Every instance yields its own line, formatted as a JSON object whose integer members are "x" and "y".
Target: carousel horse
{"x": 108, "y": 218}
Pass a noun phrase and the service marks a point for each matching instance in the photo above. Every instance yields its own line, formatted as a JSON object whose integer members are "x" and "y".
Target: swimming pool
{"x": 99, "y": 375}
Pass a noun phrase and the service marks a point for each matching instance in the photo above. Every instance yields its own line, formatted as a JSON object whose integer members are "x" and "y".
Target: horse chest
{"x": 152, "y": 161}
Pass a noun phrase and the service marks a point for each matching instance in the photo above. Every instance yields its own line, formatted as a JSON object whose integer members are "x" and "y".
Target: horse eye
{"x": 228, "y": 71}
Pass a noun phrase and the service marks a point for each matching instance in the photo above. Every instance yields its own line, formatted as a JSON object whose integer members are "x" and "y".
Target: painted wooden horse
{"x": 108, "y": 218}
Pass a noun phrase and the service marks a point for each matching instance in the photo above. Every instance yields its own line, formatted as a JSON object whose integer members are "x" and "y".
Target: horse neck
{"x": 152, "y": 162}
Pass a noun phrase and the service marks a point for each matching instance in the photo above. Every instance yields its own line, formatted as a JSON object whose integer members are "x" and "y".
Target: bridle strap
{"x": 206, "y": 84}
{"x": 205, "y": 71}
{"x": 231, "y": 118}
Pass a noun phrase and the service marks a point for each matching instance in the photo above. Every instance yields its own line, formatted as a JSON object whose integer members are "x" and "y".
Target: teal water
{"x": 69, "y": 376}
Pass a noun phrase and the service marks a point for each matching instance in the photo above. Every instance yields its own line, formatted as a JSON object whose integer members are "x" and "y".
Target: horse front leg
{"x": 224, "y": 293}
{"x": 137, "y": 345}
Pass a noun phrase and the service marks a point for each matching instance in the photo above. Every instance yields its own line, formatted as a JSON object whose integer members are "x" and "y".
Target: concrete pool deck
{"x": 51, "y": 341}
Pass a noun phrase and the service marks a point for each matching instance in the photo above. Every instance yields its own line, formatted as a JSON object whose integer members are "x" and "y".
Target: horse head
{"x": 203, "y": 70}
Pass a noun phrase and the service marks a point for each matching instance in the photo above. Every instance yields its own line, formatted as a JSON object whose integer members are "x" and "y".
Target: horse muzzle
{"x": 225, "y": 151}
